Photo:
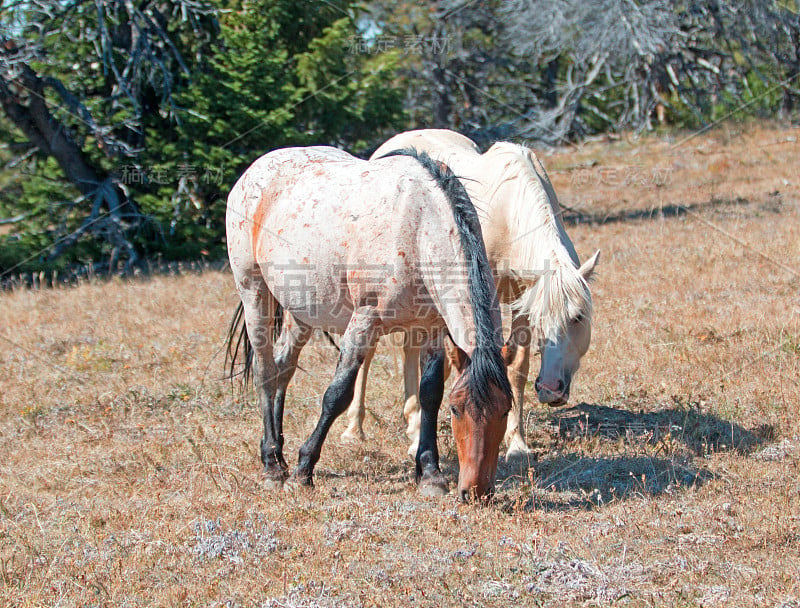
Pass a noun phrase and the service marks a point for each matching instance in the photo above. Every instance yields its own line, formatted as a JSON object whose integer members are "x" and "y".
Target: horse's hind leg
{"x": 260, "y": 308}
{"x": 354, "y": 433}
{"x": 293, "y": 338}
{"x": 355, "y": 344}
{"x": 411, "y": 409}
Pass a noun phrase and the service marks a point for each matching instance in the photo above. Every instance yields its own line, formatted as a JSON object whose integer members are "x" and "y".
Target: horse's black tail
{"x": 238, "y": 341}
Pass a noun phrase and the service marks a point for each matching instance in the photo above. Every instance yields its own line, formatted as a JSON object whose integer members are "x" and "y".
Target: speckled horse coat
{"x": 360, "y": 249}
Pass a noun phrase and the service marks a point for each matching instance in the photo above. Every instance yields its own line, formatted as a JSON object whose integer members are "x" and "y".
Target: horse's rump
{"x": 330, "y": 233}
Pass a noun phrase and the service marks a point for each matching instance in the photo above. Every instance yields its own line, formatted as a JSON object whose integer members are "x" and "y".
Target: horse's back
{"x": 331, "y": 231}
{"x": 326, "y": 187}
{"x": 441, "y": 144}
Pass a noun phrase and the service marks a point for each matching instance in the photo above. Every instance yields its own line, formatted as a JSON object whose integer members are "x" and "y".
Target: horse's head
{"x": 561, "y": 349}
{"x": 478, "y": 430}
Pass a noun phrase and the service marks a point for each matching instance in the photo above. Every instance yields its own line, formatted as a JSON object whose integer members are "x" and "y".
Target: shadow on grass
{"x": 576, "y": 216}
{"x": 378, "y": 469}
{"x": 574, "y": 480}
{"x": 700, "y": 432}
{"x": 658, "y": 449}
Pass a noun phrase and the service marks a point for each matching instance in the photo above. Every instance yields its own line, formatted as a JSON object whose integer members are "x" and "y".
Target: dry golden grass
{"x": 129, "y": 472}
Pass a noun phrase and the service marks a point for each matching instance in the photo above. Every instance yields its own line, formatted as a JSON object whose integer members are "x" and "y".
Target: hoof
{"x": 433, "y": 486}
{"x": 297, "y": 484}
{"x": 274, "y": 478}
{"x": 412, "y": 449}
{"x": 353, "y": 436}
{"x": 517, "y": 447}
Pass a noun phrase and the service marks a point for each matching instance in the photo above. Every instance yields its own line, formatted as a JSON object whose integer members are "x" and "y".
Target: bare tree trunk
{"x": 53, "y": 138}
{"x": 50, "y": 136}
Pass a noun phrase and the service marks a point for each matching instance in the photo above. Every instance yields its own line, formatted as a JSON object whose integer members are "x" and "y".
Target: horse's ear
{"x": 587, "y": 268}
{"x": 457, "y": 357}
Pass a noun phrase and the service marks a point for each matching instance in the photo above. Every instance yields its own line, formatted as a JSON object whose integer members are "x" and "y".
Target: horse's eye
{"x": 578, "y": 319}
{"x": 454, "y": 411}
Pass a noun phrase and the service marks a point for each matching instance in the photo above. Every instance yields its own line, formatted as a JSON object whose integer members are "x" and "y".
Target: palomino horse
{"x": 362, "y": 249}
{"x": 535, "y": 265}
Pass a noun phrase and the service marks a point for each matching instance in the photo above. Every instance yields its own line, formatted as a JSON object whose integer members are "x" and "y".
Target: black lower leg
{"x": 431, "y": 390}
{"x": 335, "y": 401}
{"x": 277, "y": 418}
{"x": 271, "y": 447}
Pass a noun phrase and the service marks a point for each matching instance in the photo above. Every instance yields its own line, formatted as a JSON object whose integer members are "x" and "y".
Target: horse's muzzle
{"x": 552, "y": 394}
{"x": 470, "y": 494}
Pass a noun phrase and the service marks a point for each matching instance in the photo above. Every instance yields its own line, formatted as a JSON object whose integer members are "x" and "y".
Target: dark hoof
{"x": 433, "y": 486}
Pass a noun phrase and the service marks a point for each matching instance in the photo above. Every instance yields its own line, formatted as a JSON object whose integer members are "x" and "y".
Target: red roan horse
{"x": 364, "y": 248}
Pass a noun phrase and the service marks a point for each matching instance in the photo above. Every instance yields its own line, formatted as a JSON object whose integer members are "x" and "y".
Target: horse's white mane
{"x": 546, "y": 258}
{"x": 557, "y": 298}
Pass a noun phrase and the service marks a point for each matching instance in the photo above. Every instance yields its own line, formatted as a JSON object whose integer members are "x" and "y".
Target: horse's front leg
{"x": 517, "y": 359}
{"x": 429, "y": 477}
{"x": 358, "y": 340}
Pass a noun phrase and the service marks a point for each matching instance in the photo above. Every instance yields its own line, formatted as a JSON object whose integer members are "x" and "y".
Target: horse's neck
{"x": 460, "y": 326}
{"x": 460, "y": 317}
{"x": 524, "y": 231}
{"x": 446, "y": 284}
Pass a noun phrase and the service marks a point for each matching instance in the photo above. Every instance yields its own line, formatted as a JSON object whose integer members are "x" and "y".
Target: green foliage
{"x": 270, "y": 73}
{"x": 44, "y": 203}
{"x": 758, "y": 99}
{"x": 281, "y": 75}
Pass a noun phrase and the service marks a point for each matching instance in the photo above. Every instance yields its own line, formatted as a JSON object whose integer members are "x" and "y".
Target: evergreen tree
{"x": 164, "y": 109}
{"x": 283, "y": 73}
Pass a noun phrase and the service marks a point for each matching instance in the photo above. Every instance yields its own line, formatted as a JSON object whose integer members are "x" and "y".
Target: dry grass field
{"x": 129, "y": 470}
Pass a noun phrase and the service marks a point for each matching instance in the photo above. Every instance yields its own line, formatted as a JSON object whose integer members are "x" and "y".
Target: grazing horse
{"x": 534, "y": 263}
{"x": 320, "y": 239}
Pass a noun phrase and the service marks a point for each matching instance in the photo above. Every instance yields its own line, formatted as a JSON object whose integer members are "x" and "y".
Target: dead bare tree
{"x": 609, "y": 64}
{"x": 450, "y": 59}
